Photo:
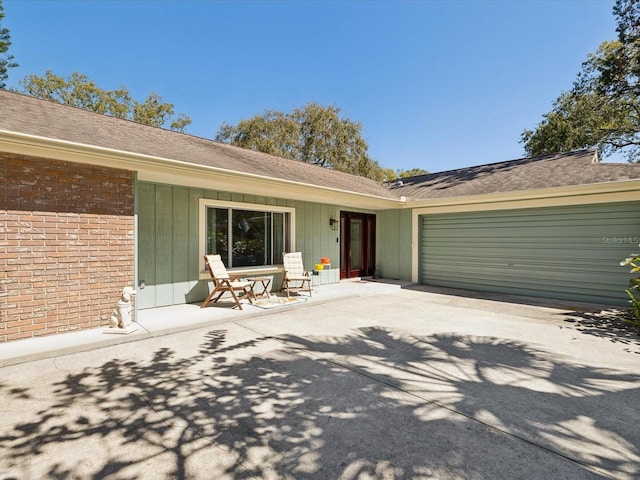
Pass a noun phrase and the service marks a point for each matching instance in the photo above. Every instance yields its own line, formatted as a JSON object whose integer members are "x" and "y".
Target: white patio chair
{"x": 294, "y": 273}
{"x": 223, "y": 283}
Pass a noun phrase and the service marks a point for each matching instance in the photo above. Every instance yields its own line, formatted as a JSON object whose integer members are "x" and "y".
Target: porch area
{"x": 159, "y": 321}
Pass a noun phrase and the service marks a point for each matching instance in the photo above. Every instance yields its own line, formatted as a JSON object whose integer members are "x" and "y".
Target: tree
{"x": 413, "y": 172}
{"x": 274, "y": 133}
{"x": 6, "y": 60}
{"x": 579, "y": 120}
{"x": 78, "y": 90}
{"x": 312, "y": 134}
{"x": 603, "y": 107}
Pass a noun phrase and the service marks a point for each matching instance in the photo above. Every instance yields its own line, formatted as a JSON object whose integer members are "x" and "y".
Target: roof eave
{"x": 602, "y": 192}
{"x": 175, "y": 172}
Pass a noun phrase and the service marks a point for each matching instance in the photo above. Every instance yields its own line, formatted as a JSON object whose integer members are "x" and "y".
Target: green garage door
{"x": 570, "y": 253}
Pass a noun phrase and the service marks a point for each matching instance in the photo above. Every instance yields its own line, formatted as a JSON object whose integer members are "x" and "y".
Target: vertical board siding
{"x": 393, "y": 244}
{"x": 168, "y": 240}
{"x": 386, "y": 241}
{"x": 164, "y": 245}
{"x": 197, "y": 290}
{"x": 146, "y": 238}
{"x": 405, "y": 261}
{"x": 570, "y": 253}
{"x": 181, "y": 250}
{"x": 315, "y": 238}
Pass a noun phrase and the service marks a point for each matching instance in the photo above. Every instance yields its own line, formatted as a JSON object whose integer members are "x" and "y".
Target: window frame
{"x": 202, "y": 230}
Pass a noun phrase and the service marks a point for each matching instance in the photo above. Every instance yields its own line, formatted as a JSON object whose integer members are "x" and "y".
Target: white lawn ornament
{"x": 121, "y": 314}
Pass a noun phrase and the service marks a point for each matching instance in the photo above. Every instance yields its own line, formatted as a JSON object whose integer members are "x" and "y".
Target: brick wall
{"x": 66, "y": 245}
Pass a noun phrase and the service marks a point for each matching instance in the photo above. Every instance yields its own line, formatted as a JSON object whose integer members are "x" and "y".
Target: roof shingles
{"x": 27, "y": 115}
{"x": 567, "y": 169}
{"x": 23, "y": 114}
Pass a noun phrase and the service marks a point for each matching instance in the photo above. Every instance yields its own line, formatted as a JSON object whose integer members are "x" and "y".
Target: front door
{"x": 358, "y": 244}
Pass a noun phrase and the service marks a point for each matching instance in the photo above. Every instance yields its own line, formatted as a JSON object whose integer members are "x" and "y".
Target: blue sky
{"x": 436, "y": 84}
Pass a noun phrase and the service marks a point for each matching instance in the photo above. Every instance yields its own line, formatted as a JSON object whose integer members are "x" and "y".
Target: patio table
{"x": 265, "y": 282}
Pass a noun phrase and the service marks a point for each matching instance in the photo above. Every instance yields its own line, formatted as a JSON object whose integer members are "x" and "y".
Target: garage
{"x": 564, "y": 252}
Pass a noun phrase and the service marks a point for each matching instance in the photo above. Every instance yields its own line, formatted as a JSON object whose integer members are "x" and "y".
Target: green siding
{"x": 168, "y": 245}
{"x": 393, "y": 244}
{"x": 146, "y": 212}
{"x": 164, "y": 249}
{"x": 168, "y": 240}
{"x": 570, "y": 253}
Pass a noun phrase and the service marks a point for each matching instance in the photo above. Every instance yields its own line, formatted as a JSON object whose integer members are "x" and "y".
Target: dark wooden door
{"x": 357, "y": 244}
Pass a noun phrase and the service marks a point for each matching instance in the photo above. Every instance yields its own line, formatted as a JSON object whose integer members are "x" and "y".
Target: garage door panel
{"x": 541, "y": 274}
{"x": 557, "y": 288}
{"x": 598, "y": 269}
{"x": 526, "y": 255}
{"x": 561, "y": 252}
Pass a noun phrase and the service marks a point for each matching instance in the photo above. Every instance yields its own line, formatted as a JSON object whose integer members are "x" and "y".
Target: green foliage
{"x": 414, "y": 172}
{"x": 578, "y": 120}
{"x": 603, "y": 107}
{"x": 78, "y": 90}
{"x": 6, "y": 60}
{"x": 274, "y": 133}
{"x": 180, "y": 123}
{"x": 312, "y": 134}
{"x": 634, "y": 290}
{"x": 153, "y": 111}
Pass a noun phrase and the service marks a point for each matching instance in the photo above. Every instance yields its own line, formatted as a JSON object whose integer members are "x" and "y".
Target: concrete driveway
{"x": 410, "y": 384}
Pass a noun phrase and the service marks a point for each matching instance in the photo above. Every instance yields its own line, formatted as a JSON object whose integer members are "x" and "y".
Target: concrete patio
{"x": 160, "y": 321}
{"x": 371, "y": 381}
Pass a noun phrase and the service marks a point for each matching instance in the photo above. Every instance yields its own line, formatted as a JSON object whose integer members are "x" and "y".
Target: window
{"x": 246, "y": 235}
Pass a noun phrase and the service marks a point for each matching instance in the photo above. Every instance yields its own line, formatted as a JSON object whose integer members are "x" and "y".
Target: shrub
{"x": 634, "y": 290}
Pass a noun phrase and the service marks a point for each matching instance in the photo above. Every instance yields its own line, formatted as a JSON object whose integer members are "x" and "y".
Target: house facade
{"x": 90, "y": 204}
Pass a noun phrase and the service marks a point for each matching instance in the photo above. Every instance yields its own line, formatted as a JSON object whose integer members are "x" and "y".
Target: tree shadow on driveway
{"x": 373, "y": 404}
{"x": 608, "y": 324}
